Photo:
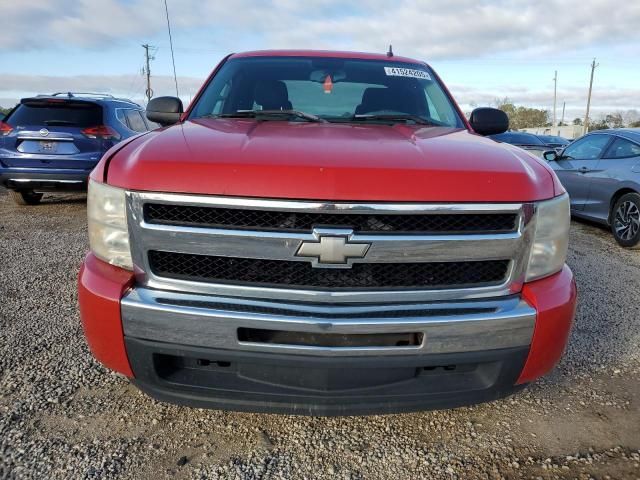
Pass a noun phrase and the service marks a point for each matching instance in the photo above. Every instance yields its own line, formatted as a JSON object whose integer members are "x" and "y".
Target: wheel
{"x": 28, "y": 197}
{"x": 625, "y": 223}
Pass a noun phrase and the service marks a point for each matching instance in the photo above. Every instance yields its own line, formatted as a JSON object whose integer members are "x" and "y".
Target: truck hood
{"x": 328, "y": 161}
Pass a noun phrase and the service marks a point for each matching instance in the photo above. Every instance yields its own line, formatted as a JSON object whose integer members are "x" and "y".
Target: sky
{"x": 483, "y": 50}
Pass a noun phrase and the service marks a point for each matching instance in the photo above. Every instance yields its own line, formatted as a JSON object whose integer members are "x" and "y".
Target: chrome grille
{"x": 269, "y": 273}
{"x": 233, "y": 218}
{"x": 247, "y": 247}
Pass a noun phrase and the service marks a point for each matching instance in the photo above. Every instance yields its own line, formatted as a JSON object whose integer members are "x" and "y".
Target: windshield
{"x": 553, "y": 139}
{"x": 331, "y": 89}
{"x": 518, "y": 138}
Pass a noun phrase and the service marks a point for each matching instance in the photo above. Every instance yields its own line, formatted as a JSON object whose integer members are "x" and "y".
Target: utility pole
{"x": 555, "y": 94}
{"x": 147, "y": 70}
{"x": 586, "y": 117}
{"x": 564, "y": 104}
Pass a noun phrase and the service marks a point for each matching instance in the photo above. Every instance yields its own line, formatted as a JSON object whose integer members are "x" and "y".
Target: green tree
{"x": 577, "y": 121}
{"x": 523, "y": 117}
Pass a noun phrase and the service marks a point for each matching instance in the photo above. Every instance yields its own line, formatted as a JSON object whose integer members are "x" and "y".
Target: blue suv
{"x": 50, "y": 143}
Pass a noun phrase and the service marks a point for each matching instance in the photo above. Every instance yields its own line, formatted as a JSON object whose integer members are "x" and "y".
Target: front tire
{"x": 625, "y": 220}
{"x": 25, "y": 197}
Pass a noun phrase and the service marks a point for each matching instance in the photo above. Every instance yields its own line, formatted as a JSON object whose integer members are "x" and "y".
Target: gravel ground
{"x": 63, "y": 416}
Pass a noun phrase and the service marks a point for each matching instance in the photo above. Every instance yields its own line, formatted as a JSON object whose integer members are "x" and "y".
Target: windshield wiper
{"x": 271, "y": 113}
{"x": 393, "y": 117}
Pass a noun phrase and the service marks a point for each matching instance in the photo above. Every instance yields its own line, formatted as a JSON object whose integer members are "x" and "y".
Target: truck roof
{"x": 327, "y": 54}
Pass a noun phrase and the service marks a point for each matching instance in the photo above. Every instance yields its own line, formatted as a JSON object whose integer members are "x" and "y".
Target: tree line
{"x": 619, "y": 119}
{"x": 526, "y": 117}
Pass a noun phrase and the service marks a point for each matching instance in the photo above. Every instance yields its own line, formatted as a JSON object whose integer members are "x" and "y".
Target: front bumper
{"x": 188, "y": 349}
{"x": 468, "y": 352}
{"x": 309, "y": 385}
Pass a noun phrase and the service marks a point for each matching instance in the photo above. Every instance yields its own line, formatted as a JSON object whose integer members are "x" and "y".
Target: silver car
{"x": 601, "y": 172}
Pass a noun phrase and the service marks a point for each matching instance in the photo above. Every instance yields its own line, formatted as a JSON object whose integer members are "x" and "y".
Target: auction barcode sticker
{"x": 406, "y": 72}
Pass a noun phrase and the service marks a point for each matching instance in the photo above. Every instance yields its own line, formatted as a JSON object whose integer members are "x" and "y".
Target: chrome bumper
{"x": 213, "y": 322}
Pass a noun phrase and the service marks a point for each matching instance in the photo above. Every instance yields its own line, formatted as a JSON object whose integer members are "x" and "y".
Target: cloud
{"x": 14, "y": 87}
{"x": 606, "y": 98}
{"x": 522, "y": 32}
{"x": 426, "y": 28}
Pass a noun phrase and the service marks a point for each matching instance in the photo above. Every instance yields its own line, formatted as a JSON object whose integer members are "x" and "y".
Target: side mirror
{"x": 164, "y": 110}
{"x": 489, "y": 121}
{"x": 550, "y": 155}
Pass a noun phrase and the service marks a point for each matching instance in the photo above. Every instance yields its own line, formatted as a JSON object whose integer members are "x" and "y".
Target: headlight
{"x": 107, "y": 216}
{"x": 551, "y": 238}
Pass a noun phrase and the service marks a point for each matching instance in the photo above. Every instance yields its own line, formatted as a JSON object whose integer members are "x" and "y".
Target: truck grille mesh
{"x": 231, "y": 218}
{"x": 278, "y": 273}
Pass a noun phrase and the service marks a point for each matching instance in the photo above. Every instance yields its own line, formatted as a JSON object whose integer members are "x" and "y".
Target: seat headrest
{"x": 375, "y": 96}
{"x": 376, "y": 99}
{"x": 272, "y": 95}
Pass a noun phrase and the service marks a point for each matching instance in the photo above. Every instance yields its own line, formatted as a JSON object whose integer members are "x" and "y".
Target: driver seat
{"x": 272, "y": 95}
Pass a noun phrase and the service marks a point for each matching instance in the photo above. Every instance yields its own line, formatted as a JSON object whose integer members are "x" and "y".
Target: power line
{"x": 134, "y": 80}
{"x": 173, "y": 61}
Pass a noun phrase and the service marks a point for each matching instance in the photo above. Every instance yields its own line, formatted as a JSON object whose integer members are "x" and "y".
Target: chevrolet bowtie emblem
{"x": 332, "y": 248}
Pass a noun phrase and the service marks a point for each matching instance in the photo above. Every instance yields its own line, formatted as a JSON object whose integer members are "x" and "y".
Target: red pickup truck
{"x": 325, "y": 233}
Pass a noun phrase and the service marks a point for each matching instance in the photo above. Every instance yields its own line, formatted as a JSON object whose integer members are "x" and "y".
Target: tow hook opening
{"x": 329, "y": 340}
{"x": 203, "y": 362}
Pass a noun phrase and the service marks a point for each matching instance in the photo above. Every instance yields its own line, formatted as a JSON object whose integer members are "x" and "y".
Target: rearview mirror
{"x": 489, "y": 121}
{"x": 550, "y": 155}
{"x": 164, "y": 110}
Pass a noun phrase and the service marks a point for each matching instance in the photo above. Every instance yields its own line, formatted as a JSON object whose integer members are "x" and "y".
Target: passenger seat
{"x": 394, "y": 100}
